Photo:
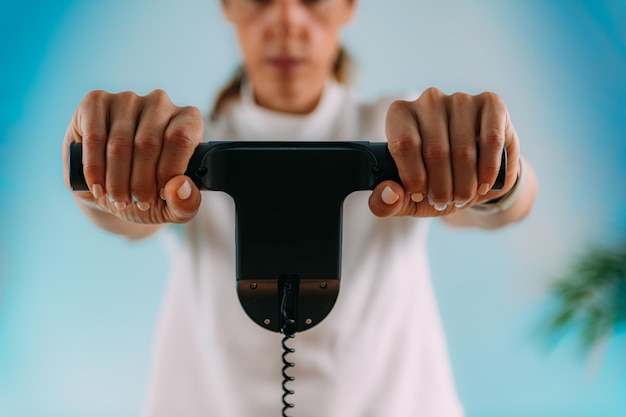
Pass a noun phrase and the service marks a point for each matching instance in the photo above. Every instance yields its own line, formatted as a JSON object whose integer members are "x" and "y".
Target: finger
{"x": 89, "y": 126}
{"x": 182, "y": 199}
{"x": 493, "y": 120}
{"x": 147, "y": 146}
{"x": 433, "y": 125}
{"x": 387, "y": 199}
{"x": 390, "y": 199}
{"x": 463, "y": 148}
{"x": 182, "y": 136}
{"x": 123, "y": 115}
{"x": 405, "y": 147}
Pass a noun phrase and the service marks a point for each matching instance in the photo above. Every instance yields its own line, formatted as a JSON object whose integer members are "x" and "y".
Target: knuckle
{"x": 147, "y": 143}
{"x": 402, "y": 145}
{"x": 431, "y": 94}
{"x": 398, "y": 106}
{"x": 93, "y": 170}
{"x": 126, "y": 99}
{"x": 490, "y": 97}
{"x": 494, "y": 136}
{"x": 180, "y": 137}
{"x": 160, "y": 97}
{"x": 127, "y": 96}
{"x": 118, "y": 147}
{"x": 93, "y": 138}
{"x": 193, "y": 112}
{"x": 488, "y": 168}
{"x": 464, "y": 154}
{"x": 436, "y": 153}
{"x": 96, "y": 96}
{"x": 194, "y": 117}
{"x": 460, "y": 99}
{"x": 491, "y": 165}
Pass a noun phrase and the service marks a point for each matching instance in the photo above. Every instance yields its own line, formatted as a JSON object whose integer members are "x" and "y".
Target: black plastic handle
{"x": 383, "y": 166}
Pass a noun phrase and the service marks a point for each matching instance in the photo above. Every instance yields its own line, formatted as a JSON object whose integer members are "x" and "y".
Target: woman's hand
{"x": 448, "y": 150}
{"x": 135, "y": 152}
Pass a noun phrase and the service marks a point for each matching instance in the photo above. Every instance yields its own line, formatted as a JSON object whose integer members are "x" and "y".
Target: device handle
{"x": 383, "y": 169}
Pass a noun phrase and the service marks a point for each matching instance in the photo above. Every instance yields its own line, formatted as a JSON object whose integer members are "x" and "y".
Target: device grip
{"x": 383, "y": 168}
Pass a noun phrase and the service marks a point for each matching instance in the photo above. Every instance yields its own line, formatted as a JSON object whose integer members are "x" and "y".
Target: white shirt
{"x": 380, "y": 352}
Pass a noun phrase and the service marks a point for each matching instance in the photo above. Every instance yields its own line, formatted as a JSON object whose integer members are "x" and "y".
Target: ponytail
{"x": 343, "y": 71}
{"x": 231, "y": 90}
{"x": 344, "y": 68}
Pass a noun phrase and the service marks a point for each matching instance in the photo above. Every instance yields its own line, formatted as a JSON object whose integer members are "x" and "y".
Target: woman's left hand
{"x": 448, "y": 150}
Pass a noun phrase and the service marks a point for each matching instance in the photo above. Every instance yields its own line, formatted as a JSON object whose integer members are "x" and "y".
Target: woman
{"x": 382, "y": 350}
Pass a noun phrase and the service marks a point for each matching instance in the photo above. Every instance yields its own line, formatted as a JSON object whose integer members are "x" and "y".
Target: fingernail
{"x": 162, "y": 193}
{"x": 436, "y": 205}
{"x": 389, "y": 196}
{"x": 461, "y": 204}
{"x": 483, "y": 189}
{"x": 417, "y": 197}
{"x": 143, "y": 206}
{"x": 97, "y": 191}
{"x": 184, "y": 191}
{"x": 120, "y": 205}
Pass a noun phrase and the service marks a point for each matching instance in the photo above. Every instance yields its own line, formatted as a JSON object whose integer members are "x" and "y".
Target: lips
{"x": 285, "y": 63}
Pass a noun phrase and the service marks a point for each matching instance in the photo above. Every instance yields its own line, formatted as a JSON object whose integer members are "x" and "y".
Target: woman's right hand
{"x": 135, "y": 153}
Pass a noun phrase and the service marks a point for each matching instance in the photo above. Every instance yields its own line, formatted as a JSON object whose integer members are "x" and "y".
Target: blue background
{"x": 78, "y": 307}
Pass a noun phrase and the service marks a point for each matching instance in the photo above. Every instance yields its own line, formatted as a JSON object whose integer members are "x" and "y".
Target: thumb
{"x": 182, "y": 198}
{"x": 387, "y": 199}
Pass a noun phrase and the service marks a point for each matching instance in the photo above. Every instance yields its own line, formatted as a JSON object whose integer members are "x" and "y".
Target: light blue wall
{"x": 77, "y": 307}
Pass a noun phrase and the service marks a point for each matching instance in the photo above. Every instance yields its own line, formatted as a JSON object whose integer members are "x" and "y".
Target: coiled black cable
{"x": 287, "y": 321}
{"x": 287, "y": 378}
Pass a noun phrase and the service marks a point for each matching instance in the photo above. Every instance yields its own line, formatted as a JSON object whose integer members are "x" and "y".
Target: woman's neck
{"x": 292, "y": 100}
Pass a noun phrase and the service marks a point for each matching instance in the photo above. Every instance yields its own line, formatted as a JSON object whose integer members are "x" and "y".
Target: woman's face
{"x": 289, "y": 47}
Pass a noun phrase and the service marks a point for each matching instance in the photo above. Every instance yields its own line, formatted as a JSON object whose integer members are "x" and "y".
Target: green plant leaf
{"x": 590, "y": 298}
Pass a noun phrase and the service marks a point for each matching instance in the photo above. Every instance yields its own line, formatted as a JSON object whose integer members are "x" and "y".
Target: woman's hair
{"x": 343, "y": 71}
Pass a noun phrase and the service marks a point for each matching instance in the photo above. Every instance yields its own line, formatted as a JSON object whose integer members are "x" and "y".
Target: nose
{"x": 288, "y": 16}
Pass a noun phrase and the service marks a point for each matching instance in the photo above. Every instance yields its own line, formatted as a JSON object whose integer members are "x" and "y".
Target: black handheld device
{"x": 288, "y": 198}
